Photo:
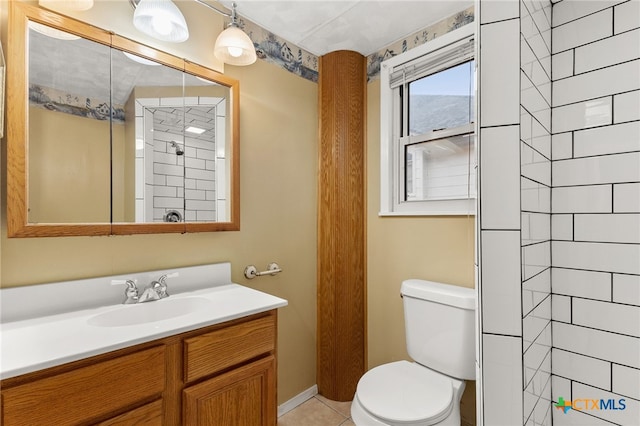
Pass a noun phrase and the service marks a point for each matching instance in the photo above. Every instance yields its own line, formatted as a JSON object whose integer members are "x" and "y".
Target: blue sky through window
{"x": 453, "y": 81}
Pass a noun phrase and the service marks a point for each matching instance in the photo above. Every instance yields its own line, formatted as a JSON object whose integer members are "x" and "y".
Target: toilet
{"x": 440, "y": 334}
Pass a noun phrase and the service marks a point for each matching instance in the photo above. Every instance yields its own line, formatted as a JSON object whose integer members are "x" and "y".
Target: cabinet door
{"x": 245, "y": 396}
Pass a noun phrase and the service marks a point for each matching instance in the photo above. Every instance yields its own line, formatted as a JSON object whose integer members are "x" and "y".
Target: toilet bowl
{"x": 406, "y": 393}
{"x": 439, "y": 323}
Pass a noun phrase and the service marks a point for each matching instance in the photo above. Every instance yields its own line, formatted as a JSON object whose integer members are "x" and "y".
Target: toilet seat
{"x": 406, "y": 393}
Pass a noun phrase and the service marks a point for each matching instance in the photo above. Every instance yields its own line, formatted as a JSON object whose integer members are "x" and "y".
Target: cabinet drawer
{"x": 88, "y": 392}
{"x": 148, "y": 415}
{"x": 214, "y": 351}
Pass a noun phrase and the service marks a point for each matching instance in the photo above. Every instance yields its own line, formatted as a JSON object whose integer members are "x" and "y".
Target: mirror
{"x": 112, "y": 137}
{"x": 69, "y": 139}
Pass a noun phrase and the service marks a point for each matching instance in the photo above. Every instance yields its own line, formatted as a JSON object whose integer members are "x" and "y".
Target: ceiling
{"x": 364, "y": 26}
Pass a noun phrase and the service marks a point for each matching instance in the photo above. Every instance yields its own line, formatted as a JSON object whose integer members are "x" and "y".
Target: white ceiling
{"x": 364, "y": 26}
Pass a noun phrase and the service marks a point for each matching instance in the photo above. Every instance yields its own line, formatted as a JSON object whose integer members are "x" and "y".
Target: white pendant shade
{"x": 141, "y": 60}
{"x": 67, "y": 4}
{"x": 52, "y": 32}
{"x": 234, "y": 47}
{"x": 161, "y": 19}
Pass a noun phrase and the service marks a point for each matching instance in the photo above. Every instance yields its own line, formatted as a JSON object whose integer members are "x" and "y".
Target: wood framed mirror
{"x": 106, "y": 136}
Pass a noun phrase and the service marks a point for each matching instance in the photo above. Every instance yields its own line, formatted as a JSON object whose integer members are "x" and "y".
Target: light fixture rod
{"x": 228, "y": 15}
{"x": 134, "y": 4}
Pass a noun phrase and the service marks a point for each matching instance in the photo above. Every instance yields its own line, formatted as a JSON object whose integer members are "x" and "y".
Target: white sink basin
{"x": 150, "y": 312}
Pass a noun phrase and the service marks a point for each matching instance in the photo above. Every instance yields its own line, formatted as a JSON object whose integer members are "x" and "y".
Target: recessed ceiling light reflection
{"x": 196, "y": 130}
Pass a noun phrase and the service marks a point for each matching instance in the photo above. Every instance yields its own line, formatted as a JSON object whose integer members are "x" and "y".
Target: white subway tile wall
{"x": 578, "y": 154}
{"x": 611, "y": 257}
{"x": 582, "y": 368}
{"x": 626, "y": 107}
{"x": 626, "y": 289}
{"x": 499, "y": 202}
{"x": 561, "y": 146}
{"x": 596, "y": 209}
{"x": 611, "y": 347}
{"x": 620, "y": 138}
{"x": 184, "y": 182}
{"x": 582, "y": 199}
{"x": 614, "y": 79}
{"x": 515, "y": 210}
{"x": 502, "y": 378}
{"x": 626, "y": 198}
{"x": 612, "y": 50}
{"x": 581, "y": 115}
{"x": 619, "y": 168}
{"x": 500, "y": 78}
{"x": 535, "y": 290}
{"x": 562, "y": 226}
{"x": 626, "y": 16}
{"x": 535, "y": 170}
{"x": 501, "y": 282}
{"x": 501, "y": 179}
{"x": 626, "y": 381}
{"x": 579, "y": 32}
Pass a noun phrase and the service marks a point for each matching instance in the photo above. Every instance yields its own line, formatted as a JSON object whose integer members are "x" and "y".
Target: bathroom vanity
{"x": 210, "y": 362}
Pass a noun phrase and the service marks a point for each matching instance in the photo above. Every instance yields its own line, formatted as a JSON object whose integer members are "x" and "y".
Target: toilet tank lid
{"x": 447, "y": 294}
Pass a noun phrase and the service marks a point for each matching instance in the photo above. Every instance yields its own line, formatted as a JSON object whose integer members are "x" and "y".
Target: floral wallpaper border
{"x": 287, "y": 55}
{"x": 418, "y": 38}
{"x": 278, "y": 51}
{"x": 81, "y": 106}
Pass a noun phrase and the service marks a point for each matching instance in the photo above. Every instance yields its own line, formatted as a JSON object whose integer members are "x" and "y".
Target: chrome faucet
{"x": 160, "y": 286}
{"x": 130, "y": 293}
{"x": 155, "y": 291}
{"x": 148, "y": 295}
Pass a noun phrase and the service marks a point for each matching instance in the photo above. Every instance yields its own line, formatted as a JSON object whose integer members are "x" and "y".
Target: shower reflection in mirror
{"x": 180, "y": 167}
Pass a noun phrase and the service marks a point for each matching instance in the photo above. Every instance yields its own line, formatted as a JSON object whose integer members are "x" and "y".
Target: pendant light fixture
{"x": 233, "y": 46}
{"x": 160, "y": 19}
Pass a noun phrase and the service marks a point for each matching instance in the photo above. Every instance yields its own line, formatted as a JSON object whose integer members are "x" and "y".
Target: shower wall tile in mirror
{"x": 180, "y": 173}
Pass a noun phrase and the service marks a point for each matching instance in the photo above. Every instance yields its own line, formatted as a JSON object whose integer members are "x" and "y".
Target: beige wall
{"x": 278, "y": 157}
{"x": 435, "y": 248}
{"x": 69, "y": 167}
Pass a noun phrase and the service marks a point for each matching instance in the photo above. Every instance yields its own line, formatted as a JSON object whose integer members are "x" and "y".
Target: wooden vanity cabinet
{"x": 222, "y": 375}
{"x": 240, "y": 395}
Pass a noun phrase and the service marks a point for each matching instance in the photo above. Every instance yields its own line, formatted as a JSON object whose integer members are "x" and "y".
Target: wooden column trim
{"x": 341, "y": 225}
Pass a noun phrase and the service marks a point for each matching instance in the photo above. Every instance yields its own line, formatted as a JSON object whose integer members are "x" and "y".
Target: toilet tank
{"x": 440, "y": 326}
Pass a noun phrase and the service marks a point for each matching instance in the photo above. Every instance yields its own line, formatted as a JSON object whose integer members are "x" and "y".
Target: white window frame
{"x": 392, "y": 147}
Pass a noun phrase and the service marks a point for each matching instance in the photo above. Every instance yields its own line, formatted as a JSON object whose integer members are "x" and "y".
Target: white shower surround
{"x": 559, "y": 214}
{"x": 188, "y": 183}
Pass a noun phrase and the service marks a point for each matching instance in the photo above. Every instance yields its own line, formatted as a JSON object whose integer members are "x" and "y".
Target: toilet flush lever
{"x": 250, "y": 272}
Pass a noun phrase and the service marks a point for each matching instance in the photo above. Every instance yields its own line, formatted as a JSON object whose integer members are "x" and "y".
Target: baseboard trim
{"x": 297, "y": 400}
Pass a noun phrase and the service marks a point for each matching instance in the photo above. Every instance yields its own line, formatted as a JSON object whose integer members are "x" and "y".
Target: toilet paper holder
{"x": 250, "y": 272}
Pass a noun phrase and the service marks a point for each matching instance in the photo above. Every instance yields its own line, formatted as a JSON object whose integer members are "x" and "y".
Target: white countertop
{"x": 33, "y": 344}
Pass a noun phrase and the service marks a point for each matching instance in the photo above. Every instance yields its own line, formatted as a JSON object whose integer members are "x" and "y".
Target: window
{"x": 428, "y": 158}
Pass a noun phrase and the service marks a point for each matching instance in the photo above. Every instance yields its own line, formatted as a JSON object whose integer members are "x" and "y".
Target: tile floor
{"x": 318, "y": 411}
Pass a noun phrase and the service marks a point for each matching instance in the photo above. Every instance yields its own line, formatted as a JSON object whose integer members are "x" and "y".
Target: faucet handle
{"x": 160, "y": 286}
{"x": 131, "y": 293}
{"x": 129, "y": 283}
{"x": 165, "y": 276}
